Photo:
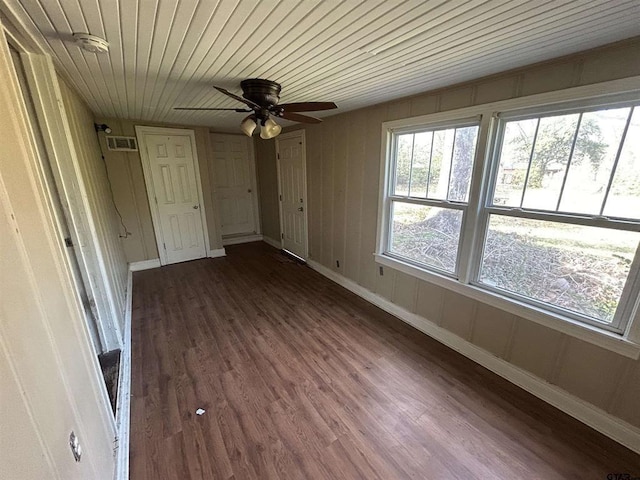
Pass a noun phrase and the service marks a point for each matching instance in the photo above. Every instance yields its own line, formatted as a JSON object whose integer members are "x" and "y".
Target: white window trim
{"x": 627, "y": 343}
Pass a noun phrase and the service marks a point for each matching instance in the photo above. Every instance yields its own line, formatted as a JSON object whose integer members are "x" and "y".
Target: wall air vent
{"x": 122, "y": 144}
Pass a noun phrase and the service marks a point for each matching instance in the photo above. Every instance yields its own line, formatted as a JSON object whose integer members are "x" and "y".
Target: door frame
{"x": 300, "y": 134}
{"x": 141, "y": 131}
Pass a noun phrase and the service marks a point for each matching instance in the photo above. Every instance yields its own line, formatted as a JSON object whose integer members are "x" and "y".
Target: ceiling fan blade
{"x": 240, "y": 99}
{"x": 296, "y": 117}
{"x": 307, "y": 106}
{"x": 207, "y": 108}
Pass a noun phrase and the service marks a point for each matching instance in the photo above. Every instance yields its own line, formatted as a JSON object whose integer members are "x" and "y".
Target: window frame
{"x": 623, "y": 338}
{"x": 618, "y": 323}
{"x": 390, "y": 197}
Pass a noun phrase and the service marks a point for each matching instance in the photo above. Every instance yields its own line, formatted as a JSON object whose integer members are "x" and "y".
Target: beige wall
{"x": 50, "y": 382}
{"x": 127, "y": 182}
{"x": 343, "y": 165}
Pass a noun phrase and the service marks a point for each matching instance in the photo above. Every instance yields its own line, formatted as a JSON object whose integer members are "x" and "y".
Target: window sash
{"x": 391, "y": 196}
{"x": 495, "y": 158}
{"x": 627, "y": 299}
{"x": 428, "y": 203}
{"x": 631, "y": 290}
{"x": 614, "y": 326}
{"x": 433, "y": 128}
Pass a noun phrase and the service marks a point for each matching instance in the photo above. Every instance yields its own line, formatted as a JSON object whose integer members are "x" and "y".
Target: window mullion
{"x": 413, "y": 146}
{"x": 430, "y": 162}
{"x": 471, "y": 235}
{"x": 526, "y": 178}
{"x": 571, "y": 152}
{"x": 453, "y": 149}
{"x": 615, "y": 162}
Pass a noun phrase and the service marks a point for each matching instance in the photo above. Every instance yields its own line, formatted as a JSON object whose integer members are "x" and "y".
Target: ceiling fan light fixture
{"x": 270, "y": 129}
{"x": 261, "y": 97}
{"x": 248, "y": 125}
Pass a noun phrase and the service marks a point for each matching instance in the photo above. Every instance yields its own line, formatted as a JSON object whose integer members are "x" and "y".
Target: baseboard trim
{"x": 242, "y": 239}
{"x": 123, "y": 409}
{"x": 218, "y": 252}
{"x": 144, "y": 265}
{"x": 270, "y": 241}
{"x": 605, "y": 423}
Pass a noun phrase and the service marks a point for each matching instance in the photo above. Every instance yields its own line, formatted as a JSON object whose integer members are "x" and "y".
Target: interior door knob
{"x": 300, "y": 209}
{"x": 195, "y": 207}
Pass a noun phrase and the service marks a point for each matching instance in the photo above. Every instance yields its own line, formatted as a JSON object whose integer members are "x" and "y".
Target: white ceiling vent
{"x": 122, "y": 144}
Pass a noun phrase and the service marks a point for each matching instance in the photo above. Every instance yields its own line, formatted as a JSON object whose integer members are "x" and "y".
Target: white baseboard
{"x": 218, "y": 252}
{"x": 605, "y": 423}
{"x": 144, "y": 265}
{"x": 123, "y": 408}
{"x": 274, "y": 243}
{"x": 242, "y": 239}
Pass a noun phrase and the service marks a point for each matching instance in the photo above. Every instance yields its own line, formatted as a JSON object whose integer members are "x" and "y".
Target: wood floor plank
{"x": 302, "y": 379}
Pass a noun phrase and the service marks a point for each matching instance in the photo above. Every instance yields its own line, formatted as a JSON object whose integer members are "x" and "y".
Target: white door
{"x": 292, "y": 185}
{"x": 234, "y": 183}
{"x": 173, "y": 187}
{"x": 66, "y": 190}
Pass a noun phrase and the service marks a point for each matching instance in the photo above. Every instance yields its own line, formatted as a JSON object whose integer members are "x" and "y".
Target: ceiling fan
{"x": 262, "y": 96}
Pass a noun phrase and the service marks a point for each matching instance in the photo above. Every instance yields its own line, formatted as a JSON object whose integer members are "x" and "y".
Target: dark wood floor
{"x": 301, "y": 379}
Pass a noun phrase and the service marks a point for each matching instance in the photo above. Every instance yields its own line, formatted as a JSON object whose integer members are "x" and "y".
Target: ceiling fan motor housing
{"x": 263, "y": 92}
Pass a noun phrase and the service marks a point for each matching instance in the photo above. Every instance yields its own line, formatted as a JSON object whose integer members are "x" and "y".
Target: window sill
{"x": 608, "y": 340}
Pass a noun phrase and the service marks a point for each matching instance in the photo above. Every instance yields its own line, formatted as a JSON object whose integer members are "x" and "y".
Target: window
{"x": 429, "y": 194}
{"x": 539, "y": 208}
{"x": 562, "y": 218}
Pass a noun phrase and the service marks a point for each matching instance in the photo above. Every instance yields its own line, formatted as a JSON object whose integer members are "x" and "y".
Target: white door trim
{"x": 141, "y": 131}
{"x": 300, "y": 134}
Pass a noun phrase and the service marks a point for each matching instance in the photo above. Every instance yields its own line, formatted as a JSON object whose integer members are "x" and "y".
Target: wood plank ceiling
{"x": 166, "y": 53}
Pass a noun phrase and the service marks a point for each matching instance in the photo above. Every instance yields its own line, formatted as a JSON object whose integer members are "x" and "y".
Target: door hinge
{"x": 164, "y": 245}
{"x": 280, "y": 197}
{"x": 278, "y": 156}
{"x": 156, "y": 199}
{"x": 68, "y": 242}
{"x": 282, "y": 236}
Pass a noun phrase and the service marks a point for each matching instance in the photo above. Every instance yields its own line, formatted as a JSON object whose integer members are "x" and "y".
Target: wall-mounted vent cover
{"x": 122, "y": 144}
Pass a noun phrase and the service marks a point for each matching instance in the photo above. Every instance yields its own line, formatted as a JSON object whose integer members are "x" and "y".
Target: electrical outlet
{"x": 76, "y": 448}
